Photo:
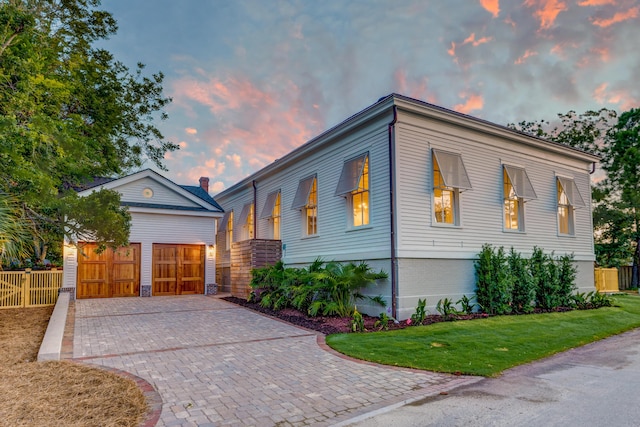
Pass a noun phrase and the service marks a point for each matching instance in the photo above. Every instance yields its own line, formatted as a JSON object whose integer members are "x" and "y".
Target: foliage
{"x": 446, "y": 308}
{"x": 14, "y": 232}
{"x": 567, "y": 272}
{"x": 383, "y": 321}
{"x": 590, "y": 300}
{"x": 322, "y": 288}
{"x": 70, "y": 112}
{"x": 419, "y": 315}
{"x": 622, "y": 163}
{"x": 545, "y": 279}
{"x": 467, "y": 306}
{"x": 493, "y": 282}
{"x": 499, "y": 342}
{"x": 523, "y": 286}
{"x": 357, "y": 321}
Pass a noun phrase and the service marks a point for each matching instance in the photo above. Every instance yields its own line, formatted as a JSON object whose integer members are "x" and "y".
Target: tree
{"x": 70, "y": 112}
{"x": 622, "y": 163}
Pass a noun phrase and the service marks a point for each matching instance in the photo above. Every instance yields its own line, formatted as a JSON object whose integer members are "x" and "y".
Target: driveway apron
{"x": 215, "y": 363}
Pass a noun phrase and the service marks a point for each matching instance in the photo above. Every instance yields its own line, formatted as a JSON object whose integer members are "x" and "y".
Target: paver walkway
{"x": 215, "y": 363}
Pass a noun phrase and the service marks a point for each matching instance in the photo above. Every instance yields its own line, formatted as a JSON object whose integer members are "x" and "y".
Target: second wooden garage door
{"x": 178, "y": 269}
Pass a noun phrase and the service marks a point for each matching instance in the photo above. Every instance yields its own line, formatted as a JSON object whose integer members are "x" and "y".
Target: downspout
{"x": 392, "y": 222}
{"x": 255, "y": 210}
{"x": 593, "y": 168}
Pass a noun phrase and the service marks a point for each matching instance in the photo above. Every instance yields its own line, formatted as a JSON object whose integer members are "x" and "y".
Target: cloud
{"x": 491, "y": 6}
{"x": 618, "y": 17}
{"x": 523, "y": 58}
{"x": 474, "y": 102}
{"x": 596, "y": 2}
{"x": 216, "y": 187}
{"x": 546, "y": 11}
{"x": 235, "y": 159}
{"x": 472, "y": 39}
{"x": 619, "y": 97}
{"x": 191, "y": 131}
{"x": 415, "y": 88}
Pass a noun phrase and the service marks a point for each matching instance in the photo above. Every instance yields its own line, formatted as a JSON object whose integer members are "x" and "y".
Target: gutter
{"x": 392, "y": 222}
{"x": 255, "y": 210}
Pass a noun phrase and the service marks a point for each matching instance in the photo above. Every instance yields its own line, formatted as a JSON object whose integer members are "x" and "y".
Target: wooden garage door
{"x": 178, "y": 269}
{"x": 110, "y": 273}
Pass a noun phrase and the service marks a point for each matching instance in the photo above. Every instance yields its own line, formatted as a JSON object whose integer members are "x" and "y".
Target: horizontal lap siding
{"x": 132, "y": 192}
{"x": 334, "y": 241}
{"x": 481, "y": 207}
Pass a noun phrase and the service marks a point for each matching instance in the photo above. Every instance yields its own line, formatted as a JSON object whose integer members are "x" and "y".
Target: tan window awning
{"x": 351, "y": 174}
{"x": 571, "y": 190}
{"x": 267, "y": 210}
{"x": 302, "y": 194}
{"x": 244, "y": 214}
{"x": 520, "y": 182}
{"x": 452, "y": 170}
{"x": 223, "y": 222}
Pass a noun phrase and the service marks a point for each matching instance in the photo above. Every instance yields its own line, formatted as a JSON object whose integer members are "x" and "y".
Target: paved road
{"x": 595, "y": 385}
{"x": 215, "y": 363}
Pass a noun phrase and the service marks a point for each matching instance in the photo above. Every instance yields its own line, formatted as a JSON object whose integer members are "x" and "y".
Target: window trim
{"x": 267, "y": 213}
{"x": 349, "y": 187}
{"x": 519, "y": 201}
{"x": 229, "y": 231}
{"x": 311, "y": 207}
{"x": 563, "y": 182}
{"x": 455, "y": 191}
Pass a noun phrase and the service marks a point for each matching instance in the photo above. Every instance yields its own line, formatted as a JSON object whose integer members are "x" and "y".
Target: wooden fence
{"x": 29, "y": 288}
{"x": 624, "y": 277}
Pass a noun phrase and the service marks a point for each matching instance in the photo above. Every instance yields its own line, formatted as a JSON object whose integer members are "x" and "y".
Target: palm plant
{"x": 14, "y": 232}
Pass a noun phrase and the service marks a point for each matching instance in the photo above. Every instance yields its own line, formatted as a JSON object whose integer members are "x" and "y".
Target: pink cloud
{"x": 474, "y": 102}
{"x": 546, "y": 11}
{"x": 235, "y": 159}
{"x": 417, "y": 88}
{"x": 472, "y": 39}
{"x": 596, "y": 2}
{"x": 491, "y": 6}
{"x": 618, "y": 17}
{"x": 452, "y": 50}
{"x": 622, "y": 98}
{"x": 528, "y": 53}
{"x": 191, "y": 131}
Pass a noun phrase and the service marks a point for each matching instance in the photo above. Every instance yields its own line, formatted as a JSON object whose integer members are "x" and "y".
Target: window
{"x": 307, "y": 201}
{"x": 569, "y": 199}
{"x": 246, "y": 219}
{"x": 517, "y": 188}
{"x": 449, "y": 179}
{"x": 354, "y": 185}
{"x": 271, "y": 210}
{"x": 226, "y": 225}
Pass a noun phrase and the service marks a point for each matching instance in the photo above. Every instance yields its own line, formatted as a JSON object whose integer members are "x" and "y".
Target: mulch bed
{"x": 335, "y": 325}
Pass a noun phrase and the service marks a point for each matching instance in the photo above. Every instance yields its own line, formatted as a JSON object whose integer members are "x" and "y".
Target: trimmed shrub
{"x": 523, "y": 293}
{"x": 493, "y": 281}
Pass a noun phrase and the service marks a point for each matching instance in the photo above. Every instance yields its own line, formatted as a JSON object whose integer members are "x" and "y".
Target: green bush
{"x": 493, "y": 281}
{"x": 322, "y": 288}
{"x": 544, "y": 272}
{"x": 567, "y": 272}
{"x": 523, "y": 292}
{"x": 419, "y": 315}
{"x": 446, "y": 308}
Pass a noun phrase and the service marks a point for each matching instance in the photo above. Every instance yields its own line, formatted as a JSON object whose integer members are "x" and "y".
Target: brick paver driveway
{"x": 215, "y": 363}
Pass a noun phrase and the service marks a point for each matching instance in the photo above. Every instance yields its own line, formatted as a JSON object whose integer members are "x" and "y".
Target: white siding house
{"x": 416, "y": 190}
{"x": 172, "y": 242}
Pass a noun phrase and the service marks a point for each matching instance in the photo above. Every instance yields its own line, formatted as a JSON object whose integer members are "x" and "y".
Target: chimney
{"x": 204, "y": 183}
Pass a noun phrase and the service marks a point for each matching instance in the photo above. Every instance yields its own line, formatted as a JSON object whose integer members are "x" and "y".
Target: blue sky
{"x": 252, "y": 80}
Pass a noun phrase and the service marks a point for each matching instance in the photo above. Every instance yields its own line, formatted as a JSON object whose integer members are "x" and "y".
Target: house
{"x": 415, "y": 190}
{"x": 172, "y": 242}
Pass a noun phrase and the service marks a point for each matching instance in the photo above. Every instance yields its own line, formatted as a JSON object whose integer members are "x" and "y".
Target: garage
{"x": 111, "y": 273}
{"x": 178, "y": 269}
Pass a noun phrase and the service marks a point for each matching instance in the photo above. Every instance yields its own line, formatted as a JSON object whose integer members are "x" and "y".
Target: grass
{"x": 57, "y": 393}
{"x": 487, "y": 347}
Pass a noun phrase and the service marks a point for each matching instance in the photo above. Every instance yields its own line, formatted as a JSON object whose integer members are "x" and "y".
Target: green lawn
{"x": 488, "y": 346}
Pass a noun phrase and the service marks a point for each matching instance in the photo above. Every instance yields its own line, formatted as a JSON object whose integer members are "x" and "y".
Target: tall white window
{"x": 517, "y": 189}
{"x": 306, "y": 201}
{"x": 354, "y": 186}
{"x": 246, "y": 221}
{"x": 226, "y": 226}
{"x": 449, "y": 180}
{"x": 569, "y": 199}
{"x": 272, "y": 211}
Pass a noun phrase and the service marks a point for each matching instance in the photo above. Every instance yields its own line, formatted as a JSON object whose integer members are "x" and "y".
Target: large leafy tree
{"x": 616, "y": 196}
{"x": 70, "y": 112}
{"x": 622, "y": 163}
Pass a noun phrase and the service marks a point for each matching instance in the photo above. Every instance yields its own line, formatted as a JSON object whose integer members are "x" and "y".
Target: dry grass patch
{"x": 57, "y": 393}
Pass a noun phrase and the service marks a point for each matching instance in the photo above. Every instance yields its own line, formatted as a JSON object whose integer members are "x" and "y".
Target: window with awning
{"x": 520, "y": 182}
{"x": 351, "y": 175}
{"x": 302, "y": 194}
{"x": 452, "y": 170}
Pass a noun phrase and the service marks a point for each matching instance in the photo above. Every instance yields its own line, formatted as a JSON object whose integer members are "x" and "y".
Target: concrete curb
{"x": 51, "y": 346}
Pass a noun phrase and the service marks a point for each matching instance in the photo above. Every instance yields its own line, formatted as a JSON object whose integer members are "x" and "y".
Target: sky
{"x": 252, "y": 80}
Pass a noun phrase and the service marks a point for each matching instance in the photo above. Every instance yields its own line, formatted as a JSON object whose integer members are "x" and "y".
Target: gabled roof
{"x": 196, "y": 194}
